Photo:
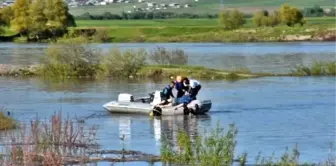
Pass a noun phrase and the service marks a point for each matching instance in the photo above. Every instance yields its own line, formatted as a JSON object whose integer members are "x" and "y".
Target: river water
{"x": 271, "y": 113}
{"x": 258, "y": 57}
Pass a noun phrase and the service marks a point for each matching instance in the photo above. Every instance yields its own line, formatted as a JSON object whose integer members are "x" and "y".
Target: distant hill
{"x": 202, "y": 6}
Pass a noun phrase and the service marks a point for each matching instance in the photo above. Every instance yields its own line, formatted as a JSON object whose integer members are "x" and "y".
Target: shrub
{"x": 101, "y": 35}
{"x": 262, "y": 18}
{"x": 127, "y": 63}
{"x": 231, "y": 19}
{"x": 163, "y": 57}
{"x": 291, "y": 15}
{"x": 216, "y": 149}
{"x": 70, "y": 60}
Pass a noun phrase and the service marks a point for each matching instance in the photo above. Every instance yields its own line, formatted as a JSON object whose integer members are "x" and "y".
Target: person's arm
{"x": 171, "y": 94}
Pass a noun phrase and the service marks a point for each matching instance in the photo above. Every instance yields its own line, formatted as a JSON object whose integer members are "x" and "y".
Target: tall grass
{"x": 218, "y": 148}
{"x": 316, "y": 69}
{"x": 162, "y": 56}
{"x": 54, "y": 142}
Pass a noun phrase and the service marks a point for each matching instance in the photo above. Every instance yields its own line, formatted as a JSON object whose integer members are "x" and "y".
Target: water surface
{"x": 270, "y": 113}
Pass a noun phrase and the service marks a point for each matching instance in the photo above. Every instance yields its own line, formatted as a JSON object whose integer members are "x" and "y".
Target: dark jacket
{"x": 167, "y": 92}
{"x": 180, "y": 89}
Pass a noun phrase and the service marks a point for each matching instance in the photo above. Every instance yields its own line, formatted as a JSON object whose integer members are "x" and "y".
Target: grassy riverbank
{"x": 74, "y": 60}
{"x": 6, "y": 122}
{"x": 78, "y": 60}
{"x": 208, "y": 30}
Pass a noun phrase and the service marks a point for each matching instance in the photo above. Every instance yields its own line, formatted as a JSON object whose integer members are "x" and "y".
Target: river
{"x": 258, "y": 57}
{"x": 271, "y": 113}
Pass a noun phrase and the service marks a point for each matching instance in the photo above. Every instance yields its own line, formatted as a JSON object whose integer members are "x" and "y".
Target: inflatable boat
{"x": 126, "y": 103}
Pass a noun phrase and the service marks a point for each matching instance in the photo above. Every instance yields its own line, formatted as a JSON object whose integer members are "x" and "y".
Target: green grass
{"x": 330, "y": 21}
{"x": 207, "y": 6}
{"x": 201, "y": 30}
{"x": 165, "y": 71}
{"x": 147, "y": 23}
{"x": 317, "y": 69}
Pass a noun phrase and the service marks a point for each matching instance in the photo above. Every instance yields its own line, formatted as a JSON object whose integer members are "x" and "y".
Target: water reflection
{"x": 159, "y": 127}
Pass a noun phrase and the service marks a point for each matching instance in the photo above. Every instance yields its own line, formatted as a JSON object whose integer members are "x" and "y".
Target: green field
{"x": 206, "y": 6}
{"x": 200, "y": 30}
{"x": 207, "y": 23}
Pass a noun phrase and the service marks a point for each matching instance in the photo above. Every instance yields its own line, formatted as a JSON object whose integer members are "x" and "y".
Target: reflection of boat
{"x": 125, "y": 128}
{"x": 159, "y": 127}
{"x": 145, "y": 105}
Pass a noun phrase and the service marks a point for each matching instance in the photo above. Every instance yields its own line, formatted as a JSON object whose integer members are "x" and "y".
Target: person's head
{"x": 186, "y": 82}
{"x": 172, "y": 84}
{"x": 179, "y": 78}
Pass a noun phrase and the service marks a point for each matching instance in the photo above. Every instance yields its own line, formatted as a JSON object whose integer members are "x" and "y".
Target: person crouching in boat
{"x": 181, "y": 89}
{"x": 167, "y": 94}
{"x": 194, "y": 86}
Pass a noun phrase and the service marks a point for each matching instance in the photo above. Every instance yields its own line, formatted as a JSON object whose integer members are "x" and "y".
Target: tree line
{"x": 143, "y": 15}
{"x": 37, "y": 19}
{"x": 288, "y": 15}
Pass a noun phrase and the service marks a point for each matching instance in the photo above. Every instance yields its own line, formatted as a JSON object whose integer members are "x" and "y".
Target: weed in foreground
{"x": 55, "y": 143}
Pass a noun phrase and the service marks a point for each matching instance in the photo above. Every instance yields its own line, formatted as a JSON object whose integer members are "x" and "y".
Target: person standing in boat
{"x": 194, "y": 87}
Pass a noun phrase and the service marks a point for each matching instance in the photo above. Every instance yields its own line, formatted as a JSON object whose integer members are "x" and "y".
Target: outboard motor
{"x": 125, "y": 97}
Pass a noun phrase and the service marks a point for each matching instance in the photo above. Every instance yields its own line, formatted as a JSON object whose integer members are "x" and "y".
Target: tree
{"x": 257, "y": 18}
{"x": 1, "y": 31}
{"x": 6, "y": 15}
{"x": 21, "y": 16}
{"x": 275, "y": 18}
{"x": 231, "y": 19}
{"x": 38, "y": 20}
{"x": 290, "y": 15}
{"x": 56, "y": 12}
{"x": 315, "y": 11}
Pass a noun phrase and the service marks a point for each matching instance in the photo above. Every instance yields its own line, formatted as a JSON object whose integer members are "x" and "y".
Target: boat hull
{"x": 146, "y": 108}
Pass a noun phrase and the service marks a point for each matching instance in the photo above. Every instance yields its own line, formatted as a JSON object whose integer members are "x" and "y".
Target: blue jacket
{"x": 186, "y": 99}
{"x": 179, "y": 86}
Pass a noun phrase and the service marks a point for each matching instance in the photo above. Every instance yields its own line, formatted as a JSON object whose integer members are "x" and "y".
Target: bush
{"x": 291, "y": 15}
{"x": 163, "y": 57}
{"x": 216, "y": 149}
{"x": 101, "y": 35}
{"x": 262, "y": 18}
{"x": 70, "y": 60}
{"x": 121, "y": 64}
{"x": 231, "y": 19}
